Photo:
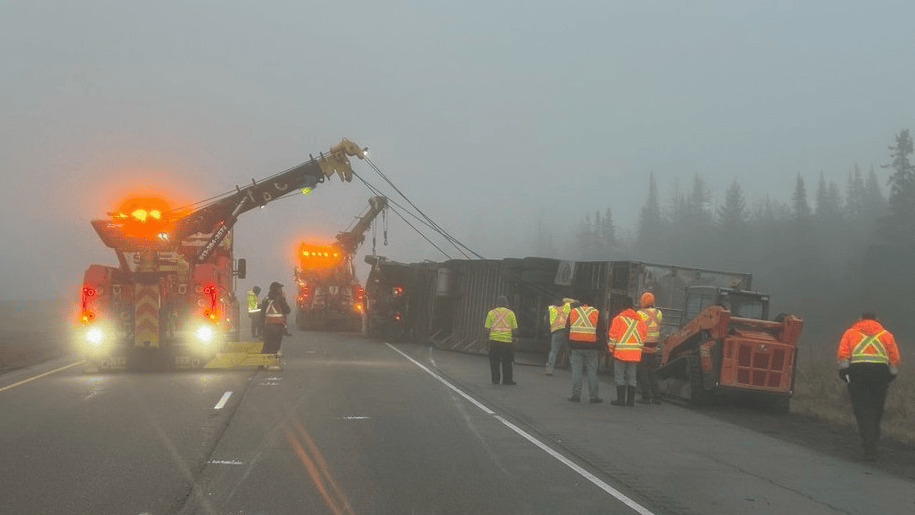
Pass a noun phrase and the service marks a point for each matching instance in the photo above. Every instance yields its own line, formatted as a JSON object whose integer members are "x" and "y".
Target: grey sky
{"x": 473, "y": 109}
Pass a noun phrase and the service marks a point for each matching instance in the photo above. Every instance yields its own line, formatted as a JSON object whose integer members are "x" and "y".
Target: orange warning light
{"x": 144, "y": 218}
{"x": 313, "y": 256}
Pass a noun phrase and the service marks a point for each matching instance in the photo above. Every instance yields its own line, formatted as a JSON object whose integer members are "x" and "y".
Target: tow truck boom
{"x": 219, "y": 217}
{"x": 171, "y": 301}
{"x": 351, "y": 239}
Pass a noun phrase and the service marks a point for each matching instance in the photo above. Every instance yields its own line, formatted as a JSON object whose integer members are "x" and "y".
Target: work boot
{"x": 620, "y": 396}
{"x": 630, "y": 396}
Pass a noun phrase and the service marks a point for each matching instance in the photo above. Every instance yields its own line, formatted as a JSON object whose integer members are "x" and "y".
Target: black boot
{"x": 620, "y": 396}
{"x": 630, "y": 396}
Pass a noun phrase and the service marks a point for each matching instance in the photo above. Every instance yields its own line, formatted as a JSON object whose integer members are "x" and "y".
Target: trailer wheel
{"x": 511, "y": 269}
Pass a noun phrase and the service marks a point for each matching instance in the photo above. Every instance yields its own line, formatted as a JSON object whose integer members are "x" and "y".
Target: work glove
{"x": 843, "y": 374}
{"x": 892, "y": 377}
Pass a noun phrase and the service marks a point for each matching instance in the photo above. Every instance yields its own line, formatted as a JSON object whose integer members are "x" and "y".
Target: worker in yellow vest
{"x": 647, "y": 370}
{"x": 501, "y": 327}
{"x": 868, "y": 361}
{"x": 624, "y": 343}
{"x": 254, "y": 311}
{"x": 557, "y": 314}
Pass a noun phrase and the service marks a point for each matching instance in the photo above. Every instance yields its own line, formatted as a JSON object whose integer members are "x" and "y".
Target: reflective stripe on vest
{"x": 870, "y": 350}
{"x": 558, "y": 317}
{"x": 273, "y": 315}
{"x": 652, "y": 318}
{"x": 583, "y": 328}
{"x": 500, "y": 329}
{"x": 631, "y": 339}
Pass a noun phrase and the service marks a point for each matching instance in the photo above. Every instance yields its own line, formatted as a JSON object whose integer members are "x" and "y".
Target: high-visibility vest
{"x": 500, "y": 322}
{"x": 652, "y": 318}
{"x": 869, "y": 349}
{"x": 252, "y": 302}
{"x": 583, "y": 324}
{"x": 558, "y": 317}
{"x": 626, "y": 334}
{"x": 866, "y": 341}
{"x": 273, "y": 315}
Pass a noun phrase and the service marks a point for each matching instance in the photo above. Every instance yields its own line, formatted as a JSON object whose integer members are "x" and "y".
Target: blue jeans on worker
{"x": 624, "y": 372}
{"x": 589, "y": 359}
{"x": 558, "y": 340}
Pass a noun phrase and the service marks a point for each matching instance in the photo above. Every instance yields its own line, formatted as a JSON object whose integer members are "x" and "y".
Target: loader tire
{"x": 780, "y": 405}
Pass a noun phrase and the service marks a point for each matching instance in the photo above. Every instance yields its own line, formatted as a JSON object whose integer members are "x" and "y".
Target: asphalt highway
{"x": 355, "y": 426}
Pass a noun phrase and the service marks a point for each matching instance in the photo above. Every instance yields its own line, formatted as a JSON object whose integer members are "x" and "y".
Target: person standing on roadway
{"x": 557, "y": 315}
{"x": 275, "y": 309}
{"x": 647, "y": 369}
{"x": 501, "y": 327}
{"x": 254, "y": 310}
{"x": 583, "y": 349}
{"x": 624, "y": 343}
{"x": 868, "y": 361}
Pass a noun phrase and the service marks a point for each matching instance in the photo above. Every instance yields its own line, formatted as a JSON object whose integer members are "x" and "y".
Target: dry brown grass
{"x": 821, "y": 394}
{"x": 32, "y": 331}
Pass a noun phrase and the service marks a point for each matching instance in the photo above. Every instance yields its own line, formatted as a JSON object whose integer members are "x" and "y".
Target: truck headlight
{"x": 205, "y": 334}
{"x": 94, "y": 336}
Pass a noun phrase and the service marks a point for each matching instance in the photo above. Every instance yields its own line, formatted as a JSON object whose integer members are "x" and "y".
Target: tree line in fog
{"x": 824, "y": 248}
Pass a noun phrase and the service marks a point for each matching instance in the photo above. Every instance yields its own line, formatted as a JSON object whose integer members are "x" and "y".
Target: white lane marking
{"x": 222, "y": 402}
{"x": 226, "y": 462}
{"x": 636, "y": 507}
{"x": 354, "y": 418}
{"x": 39, "y": 376}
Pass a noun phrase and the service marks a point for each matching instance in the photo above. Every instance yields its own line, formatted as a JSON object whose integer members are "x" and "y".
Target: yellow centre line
{"x": 39, "y": 376}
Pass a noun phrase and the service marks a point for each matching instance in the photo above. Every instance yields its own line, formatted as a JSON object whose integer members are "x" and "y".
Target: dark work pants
{"x": 273, "y": 337}
{"x": 501, "y": 354}
{"x": 647, "y": 371}
{"x": 868, "y": 394}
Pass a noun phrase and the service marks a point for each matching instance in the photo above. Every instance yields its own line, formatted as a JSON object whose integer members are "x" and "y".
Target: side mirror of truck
{"x": 241, "y": 268}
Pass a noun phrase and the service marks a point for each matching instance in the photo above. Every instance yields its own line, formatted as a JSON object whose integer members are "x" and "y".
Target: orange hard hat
{"x": 647, "y": 299}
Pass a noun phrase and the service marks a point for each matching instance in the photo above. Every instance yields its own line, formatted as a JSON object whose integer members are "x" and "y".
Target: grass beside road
{"x": 819, "y": 393}
{"x": 32, "y": 331}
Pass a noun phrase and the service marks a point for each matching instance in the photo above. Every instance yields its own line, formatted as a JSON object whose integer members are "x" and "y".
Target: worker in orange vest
{"x": 584, "y": 349}
{"x": 648, "y": 365}
{"x": 501, "y": 326}
{"x": 868, "y": 361}
{"x": 624, "y": 343}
